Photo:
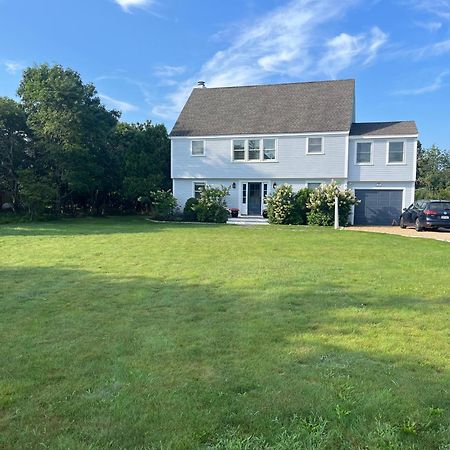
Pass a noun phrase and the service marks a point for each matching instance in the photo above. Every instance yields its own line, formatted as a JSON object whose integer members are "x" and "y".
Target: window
{"x": 364, "y": 153}
{"x": 244, "y": 193}
{"x": 396, "y": 154}
{"x": 314, "y": 146}
{"x": 269, "y": 149}
{"x": 198, "y": 186}
{"x": 239, "y": 150}
{"x": 313, "y": 186}
{"x": 265, "y": 186}
{"x": 198, "y": 148}
{"x": 253, "y": 149}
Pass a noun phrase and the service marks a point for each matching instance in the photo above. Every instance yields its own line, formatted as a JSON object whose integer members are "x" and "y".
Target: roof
{"x": 399, "y": 128}
{"x": 320, "y": 106}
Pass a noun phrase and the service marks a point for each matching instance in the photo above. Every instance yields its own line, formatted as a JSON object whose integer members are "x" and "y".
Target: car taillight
{"x": 430, "y": 212}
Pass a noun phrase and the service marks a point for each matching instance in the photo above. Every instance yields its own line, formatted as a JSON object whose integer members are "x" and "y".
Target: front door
{"x": 254, "y": 199}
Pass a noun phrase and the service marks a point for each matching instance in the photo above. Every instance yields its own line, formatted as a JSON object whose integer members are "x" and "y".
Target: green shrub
{"x": 280, "y": 204}
{"x": 189, "y": 213}
{"x": 285, "y": 206}
{"x": 163, "y": 204}
{"x": 428, "y": 194}
{"x": 211, "y": 206}
{"x": 321, "y": 204}
{"x": 300, "y": 207}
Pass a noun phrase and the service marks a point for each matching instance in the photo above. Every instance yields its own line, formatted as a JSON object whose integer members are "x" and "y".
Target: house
{"x": 255, "y": 138}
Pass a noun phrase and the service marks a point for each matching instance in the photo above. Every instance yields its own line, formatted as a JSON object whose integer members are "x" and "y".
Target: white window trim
{"x": 370, "y": 163}
{"x": 403, "y": 163}
{"x": 261, "y": 151}
{"x": 204, "y": 146}
{"x": 197, "y": 182}
{"x": 322, "y": 152}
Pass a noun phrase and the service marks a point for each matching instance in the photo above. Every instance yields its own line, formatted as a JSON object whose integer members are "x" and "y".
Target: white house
{"x": 255, "y": 138}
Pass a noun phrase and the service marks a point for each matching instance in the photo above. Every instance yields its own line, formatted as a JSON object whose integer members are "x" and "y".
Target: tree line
{"x": 63, "y": 152}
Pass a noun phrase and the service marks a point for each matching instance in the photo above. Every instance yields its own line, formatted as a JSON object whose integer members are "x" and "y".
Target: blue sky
{"x": 144, "y": 56}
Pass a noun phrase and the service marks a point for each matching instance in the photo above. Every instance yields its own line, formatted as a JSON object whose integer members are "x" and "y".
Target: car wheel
{"x": 402, "y": 223}
{"x": 418, "y": 226}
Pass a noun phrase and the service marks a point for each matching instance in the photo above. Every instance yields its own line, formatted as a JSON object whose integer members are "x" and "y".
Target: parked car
{"x": 426, "y": 215}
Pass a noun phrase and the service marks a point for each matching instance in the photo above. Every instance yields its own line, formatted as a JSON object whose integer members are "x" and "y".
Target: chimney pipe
{"x": 201, "y": 84}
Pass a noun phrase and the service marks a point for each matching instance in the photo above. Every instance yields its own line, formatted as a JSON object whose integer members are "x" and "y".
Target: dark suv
{"x": 427, "y": 214}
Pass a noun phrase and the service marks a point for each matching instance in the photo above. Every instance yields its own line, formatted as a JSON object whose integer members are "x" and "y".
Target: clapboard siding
{"x": 379, "y": 170}
{"x": 292, "y": 160}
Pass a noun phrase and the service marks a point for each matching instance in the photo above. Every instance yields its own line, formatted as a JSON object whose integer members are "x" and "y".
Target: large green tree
{"x": 72, "y": 130}
{"x": 15, "y": 143}
{"x": 144, "y": 150}
{"x": 433, "y": 172}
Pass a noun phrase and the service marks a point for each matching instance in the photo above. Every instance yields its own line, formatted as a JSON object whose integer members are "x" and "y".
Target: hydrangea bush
{"x": 280, "y": 204}
{"x": 321, "y": 204}
{"x": 211, "y": 206}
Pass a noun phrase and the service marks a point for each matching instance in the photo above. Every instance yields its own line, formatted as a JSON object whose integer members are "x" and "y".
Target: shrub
{"x": 285, "y": 206}
{"x": 321, "y": 204}
{"x": 211, "y": 206}
{"x": 189, "y": 213}
{"x": 427, "y": 194}
{"x": 163, "y": 204}
{"x": 300, "y": 207}
{"x": 280, "y": 204}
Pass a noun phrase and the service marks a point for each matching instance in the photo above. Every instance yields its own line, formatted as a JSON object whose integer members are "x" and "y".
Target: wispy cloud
{"x": 440, "y": 8}
{"x": 435, "y": 85}
{"x": 345, "y": 49}
{"x": 430, "y": 26}
{"x": 167, "y": 71}
{"x": 117, "y": 104}
{"x": 13, "y": 67}
{"x": 287, "y": 42}
{"x": 127, "y": 5}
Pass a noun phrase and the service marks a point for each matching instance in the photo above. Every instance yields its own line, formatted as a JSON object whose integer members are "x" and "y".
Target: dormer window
{"x": 314, "y": 146}
{"x": 198, "y": 148}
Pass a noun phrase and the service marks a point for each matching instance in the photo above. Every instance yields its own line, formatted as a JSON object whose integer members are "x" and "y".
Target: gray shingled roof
{"x": 384, "y": 128}
{"x": 266, "y": 109}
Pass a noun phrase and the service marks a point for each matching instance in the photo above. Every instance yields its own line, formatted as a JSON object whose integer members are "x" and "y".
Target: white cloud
{"x": 346, "y": 49}
{"x": 117, "y": 104}
{"x": 287, "y": 42}
{"x": 440, "y": 8}
{"x": 430, "y": 26}
{"x": 167, "y": 71}
{"x": 127, "y": 5}
{"x": 13, "y": 67}
{"x": 437, "y": 84}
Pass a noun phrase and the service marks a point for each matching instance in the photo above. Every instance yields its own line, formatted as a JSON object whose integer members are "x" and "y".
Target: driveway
{"x": 441, "y": 235}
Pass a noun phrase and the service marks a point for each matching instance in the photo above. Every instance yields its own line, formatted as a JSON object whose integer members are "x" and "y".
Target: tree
{"x": 14, "y": 144}
{"x": 72, "y": 129}
{"x": 144, "y": 150}
{"x": 433, "y": 172}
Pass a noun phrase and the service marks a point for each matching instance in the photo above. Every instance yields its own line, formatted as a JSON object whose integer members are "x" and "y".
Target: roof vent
{"x": 201, "y": 84}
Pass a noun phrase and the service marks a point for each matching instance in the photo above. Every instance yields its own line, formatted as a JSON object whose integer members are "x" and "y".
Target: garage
{"x": 377, "y": 206}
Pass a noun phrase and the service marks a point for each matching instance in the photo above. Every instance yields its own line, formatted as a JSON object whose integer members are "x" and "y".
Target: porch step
{"x": 248, "y": 220}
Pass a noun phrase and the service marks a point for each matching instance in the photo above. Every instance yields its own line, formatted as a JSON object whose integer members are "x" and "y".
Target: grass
{"x": 120, "y": 333}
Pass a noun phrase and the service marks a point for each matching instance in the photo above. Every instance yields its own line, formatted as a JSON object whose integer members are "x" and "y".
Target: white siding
{"x": 380, "y": 170}
{"x": 293, "y": 162}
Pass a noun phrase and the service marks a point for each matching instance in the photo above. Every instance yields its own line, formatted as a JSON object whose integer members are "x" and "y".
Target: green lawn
{"x": 121, "y": 333}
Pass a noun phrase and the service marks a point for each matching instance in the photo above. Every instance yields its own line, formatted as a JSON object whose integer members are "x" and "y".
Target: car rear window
{"x": 439, "y": 205}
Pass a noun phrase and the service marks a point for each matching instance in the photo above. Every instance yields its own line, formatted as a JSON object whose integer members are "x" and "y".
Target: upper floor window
{"x": 253, "y": 150}
{"x": 239, "y": 150}
{"x": 363, "y": 153}
{"x": 314, "y": 146}
{"x": 396, "y": 153}
{"x": 198, "y": 148}
{"x": 269, "y": 148}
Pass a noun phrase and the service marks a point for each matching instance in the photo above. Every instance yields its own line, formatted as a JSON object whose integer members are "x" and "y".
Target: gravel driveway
{"x": 441, "y": 235}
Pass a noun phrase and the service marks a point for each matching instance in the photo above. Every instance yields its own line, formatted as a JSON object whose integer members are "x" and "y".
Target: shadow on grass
{"x": 94, "y": 360}
{"x": 93, "y": 226}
